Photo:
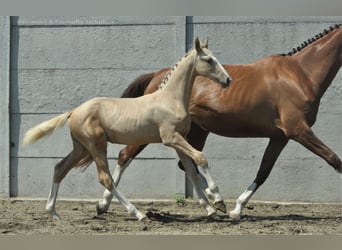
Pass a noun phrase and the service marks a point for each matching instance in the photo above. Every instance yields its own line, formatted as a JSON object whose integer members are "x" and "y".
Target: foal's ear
{"x": 205, "y": 44}
{"x": 197, "y": 44}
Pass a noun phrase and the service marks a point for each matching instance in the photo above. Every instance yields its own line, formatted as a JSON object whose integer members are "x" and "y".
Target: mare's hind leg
{"x": 126, "y": 155}
{"x": 61, "y": 169}
{"x": 272, "y": 152}
{"x": 308, "y": 139}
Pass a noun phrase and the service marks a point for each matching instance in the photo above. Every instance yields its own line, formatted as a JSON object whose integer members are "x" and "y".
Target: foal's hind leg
{"x": 60, "y": 171}
{"x": 126, "y": 155}
{"x": 99, "y": 154}
{"x": 272, "y": 152}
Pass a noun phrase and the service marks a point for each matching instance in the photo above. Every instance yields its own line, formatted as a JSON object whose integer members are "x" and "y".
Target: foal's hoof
{"x": 213, "y": 217}
{"x": 234, "y": 215}
{"x": 219, "y": 205}
{"x": 144, "y": 218}
{"x": 100, "y": 210}
{"x": 54, "y": 216}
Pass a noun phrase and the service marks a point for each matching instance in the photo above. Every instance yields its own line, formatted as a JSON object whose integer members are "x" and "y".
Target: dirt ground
{"x": 27, "y": 217}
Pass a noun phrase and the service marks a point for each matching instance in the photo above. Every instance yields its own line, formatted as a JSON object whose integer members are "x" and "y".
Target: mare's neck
{"x": 321, "y": 61}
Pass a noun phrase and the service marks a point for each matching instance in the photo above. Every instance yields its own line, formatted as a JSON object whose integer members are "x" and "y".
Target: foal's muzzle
{"x": 226, "y": 84}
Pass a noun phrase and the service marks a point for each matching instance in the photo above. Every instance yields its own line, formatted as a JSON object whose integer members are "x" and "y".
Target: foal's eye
{"x": 209, "y": 60}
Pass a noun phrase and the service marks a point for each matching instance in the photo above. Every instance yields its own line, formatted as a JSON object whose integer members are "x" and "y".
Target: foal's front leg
{"x": 176, "y": 141}
{"x": 191, "y": 173}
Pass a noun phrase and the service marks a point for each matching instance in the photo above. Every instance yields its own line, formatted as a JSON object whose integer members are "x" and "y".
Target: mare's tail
{"x": 45, "y": 128}
{"x": 138, "y": 86}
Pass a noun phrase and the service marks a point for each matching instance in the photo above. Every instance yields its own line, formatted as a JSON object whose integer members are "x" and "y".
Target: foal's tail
{"x": 45, "y": 128}
{"x": 138, "y": 86}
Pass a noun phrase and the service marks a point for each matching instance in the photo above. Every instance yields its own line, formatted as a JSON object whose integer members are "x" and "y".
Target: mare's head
{"x": 207, "y": 65}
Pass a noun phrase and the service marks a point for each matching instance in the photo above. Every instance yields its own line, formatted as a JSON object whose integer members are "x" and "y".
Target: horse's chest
{"x": 182, "y": 123}
{"x": 176, "y": 117}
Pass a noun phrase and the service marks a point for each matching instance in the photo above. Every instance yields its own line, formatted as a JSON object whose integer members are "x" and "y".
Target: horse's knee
{"x": 201, "y": 161}
{"x": 106, "y": 180}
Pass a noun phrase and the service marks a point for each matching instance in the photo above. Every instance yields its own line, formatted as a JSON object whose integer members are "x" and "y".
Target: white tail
{"x": 45, "y": 128}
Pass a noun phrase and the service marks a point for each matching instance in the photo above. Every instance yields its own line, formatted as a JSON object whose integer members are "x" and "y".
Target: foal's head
{"x": 207, "y": 65}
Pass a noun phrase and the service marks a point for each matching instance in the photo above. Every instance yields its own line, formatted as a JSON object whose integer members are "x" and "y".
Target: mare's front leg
{"x": 272, "y": 152}
{"x": 126, "y": 155}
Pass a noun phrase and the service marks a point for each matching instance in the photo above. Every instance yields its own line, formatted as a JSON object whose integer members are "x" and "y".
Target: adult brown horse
{"x": 276, "y": 97}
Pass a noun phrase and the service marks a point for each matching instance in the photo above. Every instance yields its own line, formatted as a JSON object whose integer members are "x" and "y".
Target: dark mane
{"x": 138, "y": 86}
{"x": 311, "y": 40}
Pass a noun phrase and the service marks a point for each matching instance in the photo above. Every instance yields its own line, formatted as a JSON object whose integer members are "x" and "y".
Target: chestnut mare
{"x": 276, "y": 97}
{"x": 160, "y": 117}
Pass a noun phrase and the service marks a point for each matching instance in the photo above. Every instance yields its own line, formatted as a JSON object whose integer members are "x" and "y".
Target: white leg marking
{"x": 190, "y": 171}
{"x": 50, "y": 206}
{"x": 242, "y": 201}
{"x": 107, "y": 195}
{"x": 119, "y": 170}
{"x": 128, "y": 205}
{"x": 212, "y": 190}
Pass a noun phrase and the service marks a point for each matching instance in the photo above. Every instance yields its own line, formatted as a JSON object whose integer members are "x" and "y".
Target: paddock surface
{"x": 27, "y": 217}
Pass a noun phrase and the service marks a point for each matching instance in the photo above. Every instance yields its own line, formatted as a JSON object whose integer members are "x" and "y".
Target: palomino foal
{"x": 160, "y": 117}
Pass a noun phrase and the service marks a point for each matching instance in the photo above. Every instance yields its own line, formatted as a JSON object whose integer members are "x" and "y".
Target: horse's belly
{"x": 232, "y": 125}
{"x": 136, "y": 136}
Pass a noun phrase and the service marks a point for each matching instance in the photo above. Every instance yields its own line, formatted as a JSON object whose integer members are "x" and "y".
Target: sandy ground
{"x": 27, "y": 217}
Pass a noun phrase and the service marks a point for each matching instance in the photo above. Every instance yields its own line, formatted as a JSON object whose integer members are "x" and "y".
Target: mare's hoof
{"x": 219, "y": 205}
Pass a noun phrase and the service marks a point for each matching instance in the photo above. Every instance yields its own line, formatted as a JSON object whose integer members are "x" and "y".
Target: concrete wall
{"x": 57, "y": 63}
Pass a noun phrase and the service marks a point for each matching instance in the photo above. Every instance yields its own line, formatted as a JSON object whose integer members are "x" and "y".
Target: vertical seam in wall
{"x": 189, "y": 37}
{"x": 180, "y": 50}
{"x": 4, "y": 107}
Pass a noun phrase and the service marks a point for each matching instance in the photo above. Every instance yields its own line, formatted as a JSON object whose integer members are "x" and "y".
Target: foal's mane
{"x": 311, "y": 40}
{"x": 172, "y": 69}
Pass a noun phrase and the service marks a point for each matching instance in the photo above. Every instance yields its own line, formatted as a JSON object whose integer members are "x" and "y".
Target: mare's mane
{"x": 311, "y": 40}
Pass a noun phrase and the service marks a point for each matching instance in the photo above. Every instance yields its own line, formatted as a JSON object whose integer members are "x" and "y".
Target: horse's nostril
{"x": 229, "y": 79}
